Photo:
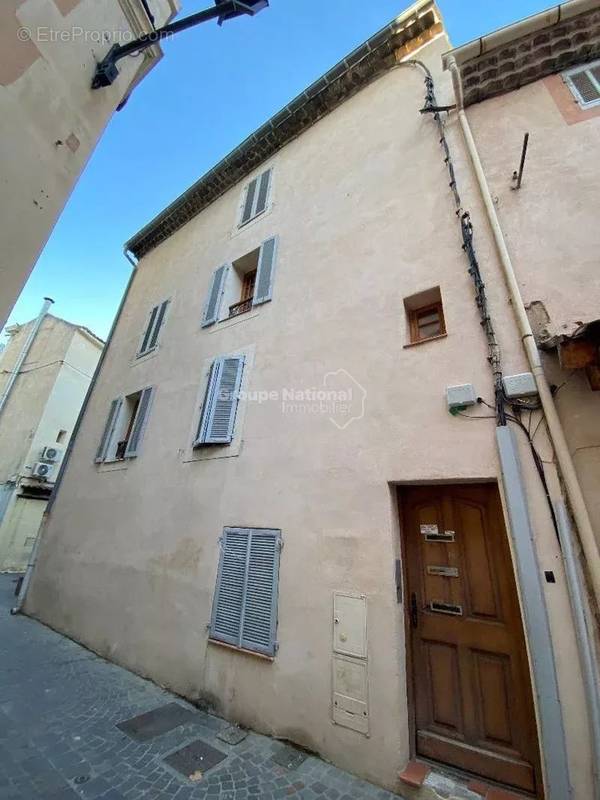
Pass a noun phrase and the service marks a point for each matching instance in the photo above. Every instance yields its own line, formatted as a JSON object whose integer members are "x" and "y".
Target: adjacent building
{"x": 50, "y": 119}
{"x": 45, "y": 371}
{"x": 316, "y": 487}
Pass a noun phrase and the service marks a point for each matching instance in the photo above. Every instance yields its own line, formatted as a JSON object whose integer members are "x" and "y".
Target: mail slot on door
{"x": 445, "y": 608}
{"x": 446, "y": 572}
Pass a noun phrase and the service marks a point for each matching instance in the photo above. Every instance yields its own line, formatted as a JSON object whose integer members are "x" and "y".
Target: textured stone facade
{"x": 532, "y": 57}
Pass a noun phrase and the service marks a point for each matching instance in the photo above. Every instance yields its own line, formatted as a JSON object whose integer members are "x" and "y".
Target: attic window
{"x": 584, "y": 83}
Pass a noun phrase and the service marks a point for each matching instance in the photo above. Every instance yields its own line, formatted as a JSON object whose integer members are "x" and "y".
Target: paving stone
{"x": 60, "y": 706}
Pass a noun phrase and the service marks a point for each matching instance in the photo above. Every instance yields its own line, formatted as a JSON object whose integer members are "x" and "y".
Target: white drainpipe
{"x": 559, "y": 443}
{"x": 24, "y": 352}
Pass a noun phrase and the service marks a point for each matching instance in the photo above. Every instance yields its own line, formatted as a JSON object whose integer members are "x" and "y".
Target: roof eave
{"x": 347, "y": 77}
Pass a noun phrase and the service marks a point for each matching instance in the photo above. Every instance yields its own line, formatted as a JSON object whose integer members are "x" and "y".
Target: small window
{"x": 61, "y": 436}
{"x": 425, "y": 316}
{"x": 151, "y": 334}
{"x": 584, "y": 83}
{"x": 238, "y": 287}
{"x": 217, "y": 417}
{"x": 256, "y": 197}
{"x": 125, "y": 426}
{"x": 244, "y": 612}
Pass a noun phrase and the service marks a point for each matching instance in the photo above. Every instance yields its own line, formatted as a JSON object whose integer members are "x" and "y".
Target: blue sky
{"x": 213, "y": 87}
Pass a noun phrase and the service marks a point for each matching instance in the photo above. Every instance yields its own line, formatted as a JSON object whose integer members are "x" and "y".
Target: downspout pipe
{"x": 583, "y": 631}
{"x": 17, "y": 608}
{"x": 555, "y": 429}
{"x": 25, "y": 351}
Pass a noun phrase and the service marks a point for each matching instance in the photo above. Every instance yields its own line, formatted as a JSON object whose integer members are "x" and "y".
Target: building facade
{"x": 37, "y": 417}
{"x": 50, "y": 49}
{"x": 299, "y": 494}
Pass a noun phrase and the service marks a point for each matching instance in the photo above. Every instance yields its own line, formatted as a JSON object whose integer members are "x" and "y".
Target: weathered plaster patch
{"x": 184, "y": 559}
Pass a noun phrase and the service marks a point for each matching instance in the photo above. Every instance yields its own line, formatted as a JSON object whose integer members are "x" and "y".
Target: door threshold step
{"x": 421, "y": 781}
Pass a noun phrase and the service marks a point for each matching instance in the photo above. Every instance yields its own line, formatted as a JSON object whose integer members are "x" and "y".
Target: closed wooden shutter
{"x": 221, "y": 401}
{"x": 229, "y": 592}
{"x": 245, "y": 602}
{"x": 215, "y": 293}
{"x": 109, "y": 428}
{"x": 148, "y": 332}
{"x": 263, "y": 192}
{"x": 162, "y": 310}
{"x": 263, "y": 290}
{"x": 259, "y": 622}
{"x": 249, "y": 202}
{"x": 139, "y": 423}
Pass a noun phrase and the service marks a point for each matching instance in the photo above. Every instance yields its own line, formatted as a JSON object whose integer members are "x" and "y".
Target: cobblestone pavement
{"x": 59, "y": 705}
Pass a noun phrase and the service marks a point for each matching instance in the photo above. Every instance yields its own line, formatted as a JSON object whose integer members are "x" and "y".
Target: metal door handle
{"x": 414, "y": 614}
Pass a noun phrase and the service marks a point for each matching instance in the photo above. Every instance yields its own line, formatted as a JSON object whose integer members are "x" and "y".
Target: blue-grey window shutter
{"x": 249, "y": 202}
{"x": 139, "y": 423}
{"x": 244, "y": 609}
{"x": 259, "y": 618}
{"x": 263, "y": 290}
{"x": 228, "y": 601}
{"x": 263, "y": 192}
{"x": 148, "y": 332}
{"x": 162, "y": 310}
{"x": 109, "y": 428}
{"x": 215, "y": 293}
{"x": 220, "y": 405}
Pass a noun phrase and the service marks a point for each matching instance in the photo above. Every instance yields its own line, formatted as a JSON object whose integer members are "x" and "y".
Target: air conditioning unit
{"x": 51, "y": 454}
{"x": 41, "y": 470}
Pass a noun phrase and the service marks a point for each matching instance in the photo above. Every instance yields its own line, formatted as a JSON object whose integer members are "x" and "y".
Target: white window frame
{"x": 587, "y": 68}
{"x": 254, "y": 214}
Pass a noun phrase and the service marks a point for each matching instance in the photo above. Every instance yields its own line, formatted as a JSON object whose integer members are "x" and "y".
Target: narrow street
{"x": 59, "y": 709}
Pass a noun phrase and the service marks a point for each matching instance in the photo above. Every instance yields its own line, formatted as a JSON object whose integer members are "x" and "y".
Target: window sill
{"x": 424, "y": 341}
{"x": 228, "y": 322}
{"x": 113, "y": 466}
{"x": 241, "y": 227}
{"x": 150, "y": 354}
{"x": 241, "y": 650}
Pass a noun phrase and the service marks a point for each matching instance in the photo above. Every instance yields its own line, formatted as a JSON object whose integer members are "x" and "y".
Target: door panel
{"x": 472, "y": 689}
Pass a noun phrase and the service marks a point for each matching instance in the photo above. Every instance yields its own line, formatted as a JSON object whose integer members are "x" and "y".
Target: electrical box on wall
{"x": 522, "y": 385}
{"x": 461, "y": 396}
{"x": 350, "y": 624}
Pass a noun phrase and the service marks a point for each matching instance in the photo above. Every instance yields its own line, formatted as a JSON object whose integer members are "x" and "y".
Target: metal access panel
{"x": 195, "y": 759}
{"x": 350, "y": 693}
{"x": 350, "y": 624}
{"x": 156, "y": 722}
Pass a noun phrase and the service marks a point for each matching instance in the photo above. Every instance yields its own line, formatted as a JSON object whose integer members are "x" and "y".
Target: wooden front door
{"x": 473, "y": 703}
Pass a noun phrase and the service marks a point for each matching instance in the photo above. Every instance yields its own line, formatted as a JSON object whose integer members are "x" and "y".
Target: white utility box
{"x": 461, "y": 396}
{"x": 522, "y": 385}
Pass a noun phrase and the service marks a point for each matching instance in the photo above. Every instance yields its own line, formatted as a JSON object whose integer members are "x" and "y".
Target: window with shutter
{"x": 151, "y": 334}
{"x": 217, "y": 418}
{"x": 256, "y": 197}
{"x": 125, "y": 426}
{"x": 584, "y": 83}
{"x": 244, "y": 610}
